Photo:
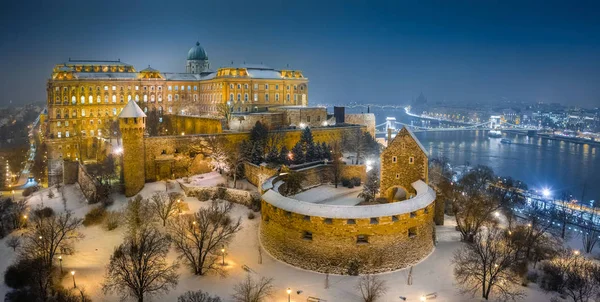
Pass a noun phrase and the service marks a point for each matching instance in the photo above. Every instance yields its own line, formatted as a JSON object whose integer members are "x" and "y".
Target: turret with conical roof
{"x": 132, "y": 122}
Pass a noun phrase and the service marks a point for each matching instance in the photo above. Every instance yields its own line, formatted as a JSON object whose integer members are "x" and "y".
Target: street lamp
{"x": 60, "y": 261}
{"x": 423, "y": 298}
{"x": 13, "y": 194}
{"x": 576, "y": 252}
{"x": 73, "y": 274}
{"x": 223, "y": 252}
{"x": 289, "y": 292}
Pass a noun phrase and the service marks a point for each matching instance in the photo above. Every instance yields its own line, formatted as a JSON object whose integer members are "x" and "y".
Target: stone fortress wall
{"x": 330, "y": 239}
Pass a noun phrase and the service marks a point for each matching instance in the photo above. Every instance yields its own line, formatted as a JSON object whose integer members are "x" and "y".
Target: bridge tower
{"x": 390, "y": 123}
{"x": 495, "y": 121}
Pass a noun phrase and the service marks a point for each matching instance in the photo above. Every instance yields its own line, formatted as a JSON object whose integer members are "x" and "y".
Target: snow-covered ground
{"x": 212, "y": 179}
{"x": 329, "y": 194}
{"x": 433, "y": 274}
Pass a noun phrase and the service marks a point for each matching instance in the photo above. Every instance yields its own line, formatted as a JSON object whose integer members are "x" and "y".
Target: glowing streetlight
{"x": 423, "y": 298}
{"x": 60, "y": 261}
{"x": 73, "y": 274}
{"x": 576, "y": 252}
{"x": 546, "y": 192}
{"x": 289, "y": 292}
{"x": 496, "y": 214}
{"x": 223, "y": 252}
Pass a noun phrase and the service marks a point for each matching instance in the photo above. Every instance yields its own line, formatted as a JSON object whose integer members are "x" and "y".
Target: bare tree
{"x": 372, "y": 288}
{"x": 336, "y": 161}
{"x": 138, "y": 214}
{"x": 562, "y": 213}
{"x": 236, "y": 156}
{"x": 197, "y": 296}
{"x": 224, "y": 110}
{"x": 572, "y": 275}
{"x": 198, "y": 238}
{"x": 251, "y": 290}
{"x": 472, "y": 204}
{"x": 487, "y": 264}
{"x": 216, "y": 147}
{"x": 591, "y": 232}
{"x": 48, "y": 234}
{"x": 13, "y": 242}
{"x": 165, "y": 205}
{"x": 138, "y": 267}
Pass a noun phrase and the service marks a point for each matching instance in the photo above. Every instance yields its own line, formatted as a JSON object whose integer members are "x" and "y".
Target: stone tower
{"x": 132, "y": 122}
{"x": 403, "y": 162}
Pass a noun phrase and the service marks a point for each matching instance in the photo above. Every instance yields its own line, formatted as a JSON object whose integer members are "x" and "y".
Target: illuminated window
{"x": 114, "y": 111}
{"x": 255, "y": 86}
{"x": 105, "y": 87}
{"x": 82, "y": 112}
{"x": 169, "y": 98}
{"x": 160, "y": 97}
{"x": 137, "y": 87}
{"x": 114, "y": 98}
{"x": 152, "y": 98}
{"x": 195, "y": 88}
{"x": 98, "y": 99}
{"x": 91, "y": 99}
{"x": 170, "y": 109}
{"x": 82, "y": 99}
{"x": 145, "y": 98}
{"x": 189, "y": 88}
{"x": 58, "y": 123}
{"x": 106, "y": 98}
{"x": 182, "y": 87}
{"x": 176, "y": 88}
{"x": 137, "y": 98}
{"x": 59, "y": 134}
{"x": 114, "y": 88}
{"x": 128, "y": 97}
{"x": 67, "y": 134}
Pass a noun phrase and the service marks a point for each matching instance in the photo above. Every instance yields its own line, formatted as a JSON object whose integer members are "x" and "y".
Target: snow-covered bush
{"x": 94, "y": 216}
{"x": 112, "y": 220}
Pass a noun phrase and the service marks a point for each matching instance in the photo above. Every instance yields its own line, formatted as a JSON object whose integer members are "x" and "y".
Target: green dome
{"x": 197, "y": 53}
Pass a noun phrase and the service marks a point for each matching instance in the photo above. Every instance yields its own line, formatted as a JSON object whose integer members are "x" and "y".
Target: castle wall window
{"x": 65, "y": 100}
{"x": 152, "y": 98}
{"x": 374, "y": 221}
{"x": 91, "y": 132}
{"x": 66, "y": 123}
{"x": 245, "y": 97}
{"x": 328, "y": 221}
{"x": 170, "y": 109}
{"x": 411, "y": 160}
{"x": 412, "y": 232}
{"x": 189, "y": 88}
{"x": 413, "y": 214}
{"x": 58, "y": 123}
{"x": 239, "y": 86}
{"x": 295, "y": 87}
{"x": 277, "y": 87}
{"x": 350, "y": 221}
{"x": 114, "y": 111}
{"x": 195, "y": 97}
{"x": 151, "y": 88}
{"x": 169, "y": 98}
{"x": 362, "y": 239}
{"x": 394, "y": 159}
{"x": 306, "y": 235}
{"x": 306, "y": 218}
{"x": 195, "y": 88}
{"x": 182, "y": 87}
{"x": 128, "y": 97}
{"x": 230, "y": 86}
{"x": 106, "y": 99}
{"x": 231, "y": 97}
{"x": 288, "y": 87}
{"x": 176, "y": 88}
{"x": 121, "y": 98}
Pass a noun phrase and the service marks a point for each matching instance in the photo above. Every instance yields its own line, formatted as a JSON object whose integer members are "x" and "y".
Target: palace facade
{"x": 85, "y": 97}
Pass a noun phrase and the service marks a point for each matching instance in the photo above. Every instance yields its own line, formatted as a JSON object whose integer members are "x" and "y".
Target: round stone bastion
{"x": 341, "y": 239}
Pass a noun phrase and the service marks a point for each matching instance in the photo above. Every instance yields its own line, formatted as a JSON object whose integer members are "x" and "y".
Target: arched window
{"x": 121, "y": 98}
{"x": 266, "y": 97}
{"x": 65, "y": 100}
{"x": 195, "y": 97}
{"x": 114, "y": 98}
{"x": 239, "y": 86}
{"x": 169, "y": 98}
{"x": 277, "y": 97}
{"x": 145, "y": 109}
{"x": 170, "y": 109}
{"x": 145, "y": 98}
{"x": 82, "y": 112}
{"x": 177, "y": 96}
{"x": 287, "y": 97}
{"x": 73, "y": 100}
{"x": 137, "y": 98}
{"x": 245, "y": 97}
{"x": 128, "y": 97}
{"x": 231, "y": 96}
{"x": 98, "y": 99}
{"x": 245, "y": 86}
{"x": 114, "y": 111}
{"x": 91, "y": 99}
{"x": 160, "y": 97}
{"x": 239, "y": 97}
{"x": 152, "y": 98}
{"x": 82, "y": 98}
{"x": 106, "y": 98}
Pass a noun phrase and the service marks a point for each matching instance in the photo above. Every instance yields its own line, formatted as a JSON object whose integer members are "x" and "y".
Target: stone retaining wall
{"x": 232, "y": 195}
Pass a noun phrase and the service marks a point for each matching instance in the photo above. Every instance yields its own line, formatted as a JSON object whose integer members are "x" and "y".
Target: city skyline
{"x": 388, "y": 52}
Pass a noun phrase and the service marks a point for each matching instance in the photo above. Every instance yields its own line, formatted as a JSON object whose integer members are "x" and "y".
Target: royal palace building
{"x": 85, "y": 97}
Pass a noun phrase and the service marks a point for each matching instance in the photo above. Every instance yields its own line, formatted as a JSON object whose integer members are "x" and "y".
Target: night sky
{"x": 363, "y": 51}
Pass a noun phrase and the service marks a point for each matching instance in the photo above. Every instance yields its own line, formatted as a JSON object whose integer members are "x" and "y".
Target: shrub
{"x": 532, "y": 276}
{"x": 219, "y": 193}
{"x": 17, "y": 275}
{"x": 94, "y": 216}
{"x": 112, "y": 220}
{"x": 350, "y": 185}
{"x": 353, "y": 268}
{"x": 197, "y": 296}
{"x": 22, "y": 294}
{"x": 43, "y": 212}
{"x": 255, "y": 203}
{"x": 355, "y": 181}
{"x": 107, "y": 201}
{"x": 251, "y": 215}
{"x": 30, "y": 190}
{"x": 203, "y": 195}
{"x": 50, "y": 194}
{"x": 220, "y": 185}
{"x": 345, "y": 181}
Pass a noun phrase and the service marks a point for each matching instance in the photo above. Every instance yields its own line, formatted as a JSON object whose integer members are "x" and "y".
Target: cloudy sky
{"x": 360, "y": 51}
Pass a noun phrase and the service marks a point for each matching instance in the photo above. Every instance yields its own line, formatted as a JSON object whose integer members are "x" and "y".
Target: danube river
{"x": 538, "y": 162}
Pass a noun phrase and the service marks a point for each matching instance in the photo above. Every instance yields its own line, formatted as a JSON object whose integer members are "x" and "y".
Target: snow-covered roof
{"x": 105, "y": 75}
{"x": 264, "y": 73}
{"x": 132, "y": 110}
{"x": 425, "y": 196}
{"x": 412, "y": 134}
